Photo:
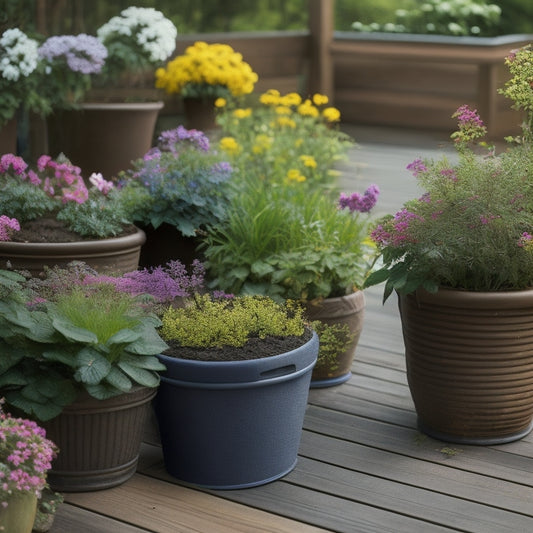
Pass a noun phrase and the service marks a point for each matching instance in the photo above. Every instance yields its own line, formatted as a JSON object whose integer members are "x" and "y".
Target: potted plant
{"x": 81, "y": 357}
{"x": 231, "y": 403}
{"x": 25, "y": 458}
{"x": 19, "y": 62}
{"x": 460, "y": 259}
{"x": 202, "y": 74}
{"x": 177, "y": 189}
{"x": 136, "y": 42}
{"x": 49, "y": 216}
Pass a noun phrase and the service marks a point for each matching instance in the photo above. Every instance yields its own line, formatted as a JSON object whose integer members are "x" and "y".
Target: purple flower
{"x": 361, "y": 203}
{"x": 82, "y": 53}
{"x": 7, "y": 227}
{"x": 525, "y": 239}
{"x": 16, "y": 163}
{"x": 170, "y": 140}
{"x": 416, "y": 167}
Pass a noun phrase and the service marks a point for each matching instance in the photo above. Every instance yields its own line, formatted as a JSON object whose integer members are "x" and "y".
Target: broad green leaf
{"x": 73, "y": 332}
{"x": 261, "y": 268}
{"x": 92, "y": 366}
{"x": 124, "y": 336}
{"x": 139, "y": 375}
{"x": 148, "y": 362}
{"x": 65, "y": 355}
{"x": 118, "y": 379}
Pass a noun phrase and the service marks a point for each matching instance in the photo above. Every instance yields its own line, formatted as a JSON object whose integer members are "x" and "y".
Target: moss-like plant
{"x": 334, "y": 340}
{"x": 207, "y": 322}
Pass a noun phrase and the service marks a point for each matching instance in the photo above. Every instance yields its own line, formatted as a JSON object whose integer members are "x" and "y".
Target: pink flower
{"x": 100, "y": 183}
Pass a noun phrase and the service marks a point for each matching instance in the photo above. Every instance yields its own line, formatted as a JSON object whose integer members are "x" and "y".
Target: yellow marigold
{"x": 308, "y": 161}
{"x": 283, "y": 110}
{"x": 230, "y": 145}
{"x": 242, "y": 113}
{"x": 291, "y": 99}
{"x": 320, "y": 99}
{"x": 308, "y": 109}
{"x": 286, "y": 122}
{"x": 220, "y": 102}
{"x": 331, "y": 114}
{"x": 298, "y": 142}
{"x": 295, "y": 175}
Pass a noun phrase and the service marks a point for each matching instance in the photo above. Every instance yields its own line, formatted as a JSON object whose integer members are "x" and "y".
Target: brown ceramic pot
{"x": 114, "y": 255}
{"x": 199, "y": 113}
{"x": 346, "y": 310}
{"x": 470, "y": 363}
{"x": 98, "y": 440}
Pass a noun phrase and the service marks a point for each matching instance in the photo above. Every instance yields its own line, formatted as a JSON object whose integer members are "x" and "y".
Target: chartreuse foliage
{"x": 92, "y": 339}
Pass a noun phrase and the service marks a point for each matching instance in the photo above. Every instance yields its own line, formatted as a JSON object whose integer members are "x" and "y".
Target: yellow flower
{"x": 283, "y": 110}
{"x": 286, "y": 122}
{"x": 262, "y": 143}
{"x": 291, "y": 99}
{"x": 308, "y": 109}
{"x": 230, "y": 145}
{"x": 331, "y": 114}
{"x": 295, "y": 175}
{"x": 220, "y": 102}
{"x": 320, "y": 99}
{"x": 308, "y": 161}
{"x": 242, "y": 113}
{"x": 271, "y": 97}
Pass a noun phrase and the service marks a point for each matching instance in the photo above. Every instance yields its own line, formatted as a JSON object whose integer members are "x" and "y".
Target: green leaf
{"x": 65, "y": 356}
{"x": 148, "y": 362}
{"x": 149, "y": 343}
{"x": 73, "y": 332}
{"x": 124, "y": 336}
{"x": 92, "y": 366}
{"x": 139, "y": 375}
{"x": 119, "y": 380}
{"x": 377, "y": 277}
{"x": 261, "y": 268}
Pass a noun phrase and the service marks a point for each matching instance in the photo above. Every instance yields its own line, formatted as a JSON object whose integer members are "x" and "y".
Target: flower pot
{"x": 98, "y": 440}
{"x": 346, "y": 310}
{"x": 103, "y": 137}
{"x": 8, "y": 137}
{"x": 234, "y": 424}
{"x": 119, "y": 254}
{"x": 199, "y": 113}
{"x": 19, "y": 514}
{"x": 470, "y": 363}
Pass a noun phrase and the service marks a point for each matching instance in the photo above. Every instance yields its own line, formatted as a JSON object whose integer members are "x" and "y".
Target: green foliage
{"x": 288, "y": 244}
{"x": 91, "y": 338}
{"x": 441, "y": 17}
{"x": 334, "y": 340}
{"x": 207, "y": 322}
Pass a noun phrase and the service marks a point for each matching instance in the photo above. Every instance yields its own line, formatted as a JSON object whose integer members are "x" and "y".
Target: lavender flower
{"x": 7, "y": 227}
{"x": 82, "y": 53}
{"x": 171, "y": 140}
{"x": 417, "y": 167}
{"x": 357, "y": 202}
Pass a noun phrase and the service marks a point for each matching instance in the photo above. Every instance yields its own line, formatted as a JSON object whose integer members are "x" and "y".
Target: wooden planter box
{"x": 419, "y": 81}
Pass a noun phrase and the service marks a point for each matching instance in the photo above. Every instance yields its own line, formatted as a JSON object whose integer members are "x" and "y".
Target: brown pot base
{"x": 482, "y": 441}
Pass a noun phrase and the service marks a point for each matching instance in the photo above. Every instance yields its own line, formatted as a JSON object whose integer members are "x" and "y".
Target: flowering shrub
{"x": 137, "y": 40}
{"x": 284, "y": 139}
{"x": 25, "y": 457}
{"x": 183, "y": 182}
{"x": 55, "y": 189}
{"x": 472, "y": 228}
{"x": 69, "y": 61}
{"x": 441, "y": 17}
{"x": 18, "y": 61}
{"x": 207, "y": 70}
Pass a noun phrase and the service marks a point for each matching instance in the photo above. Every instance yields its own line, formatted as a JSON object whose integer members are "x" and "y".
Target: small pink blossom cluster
{"x": 396, "y": 230}
{"x": 362, "y": 203}
{"x": 417, "y": 167}
{"x": 7, "y": 227}
{"x": 470, "y": 125}
{"x": 25, "y": 457}
{"x": 526, "y": 240}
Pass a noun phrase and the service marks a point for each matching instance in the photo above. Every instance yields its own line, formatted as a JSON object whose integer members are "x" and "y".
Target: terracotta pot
{"x": 8, "y": 137}
{"x": 104, "y": 137}
{"x": 98, "y": 440}
{"x": 19, "y": 515}
{"x": 199, "y": 113}
{"x": 345, "y": 310}
{"x": 470, "y": 363}
{"x": 119, "y": 255}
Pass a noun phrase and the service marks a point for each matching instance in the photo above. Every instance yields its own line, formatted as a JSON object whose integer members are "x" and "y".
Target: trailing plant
{"x": 183, "y": 182}
{"x": 334, "y": 340}
{"x": 84, "y": 337}
{"x": 472, "y": 227}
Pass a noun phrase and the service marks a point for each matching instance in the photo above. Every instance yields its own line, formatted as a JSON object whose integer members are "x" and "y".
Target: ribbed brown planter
{"x": 118, "y": 255}
{"x": 104, "y": 137}
{"x": 470, "y": 363}
{"x": 98, "y": 440}
{"x": 199, "y": 113}
{"x": 345, "y": 310}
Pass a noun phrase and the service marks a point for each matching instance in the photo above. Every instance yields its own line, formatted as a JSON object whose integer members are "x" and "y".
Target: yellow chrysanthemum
{"x": 308, "y": 109}
{"x": 294, "y": 175}
{"x": 262, "y": 143}
{"x": 271, "y": 97}
{"x": 242, "y": 113}
{"x": 220, "y": 102}
{"x": 291, "y": 100}
{"x": 308, "y": 161}
{"x": 283, "y": 110}
{"x": 331, "y": 114}
{"x": 230, "y": 145}
{"x": 320, "y": 99}
{"x": 286, "y": 122}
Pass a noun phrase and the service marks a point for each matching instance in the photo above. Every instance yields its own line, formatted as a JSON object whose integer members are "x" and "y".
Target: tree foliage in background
{"x": 201, "y": 16}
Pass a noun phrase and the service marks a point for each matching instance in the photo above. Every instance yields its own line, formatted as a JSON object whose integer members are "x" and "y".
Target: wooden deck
{"x": 363, "y": 466}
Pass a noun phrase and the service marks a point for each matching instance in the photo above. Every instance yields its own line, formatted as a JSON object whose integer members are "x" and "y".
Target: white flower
{"x": 18, "y": 54}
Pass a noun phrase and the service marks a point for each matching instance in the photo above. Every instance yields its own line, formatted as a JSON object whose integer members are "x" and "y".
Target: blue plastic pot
{"x": 234, "y": 424}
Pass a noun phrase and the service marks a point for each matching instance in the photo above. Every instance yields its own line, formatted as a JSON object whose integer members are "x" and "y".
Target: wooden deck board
{"x": 363, "y": 465}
